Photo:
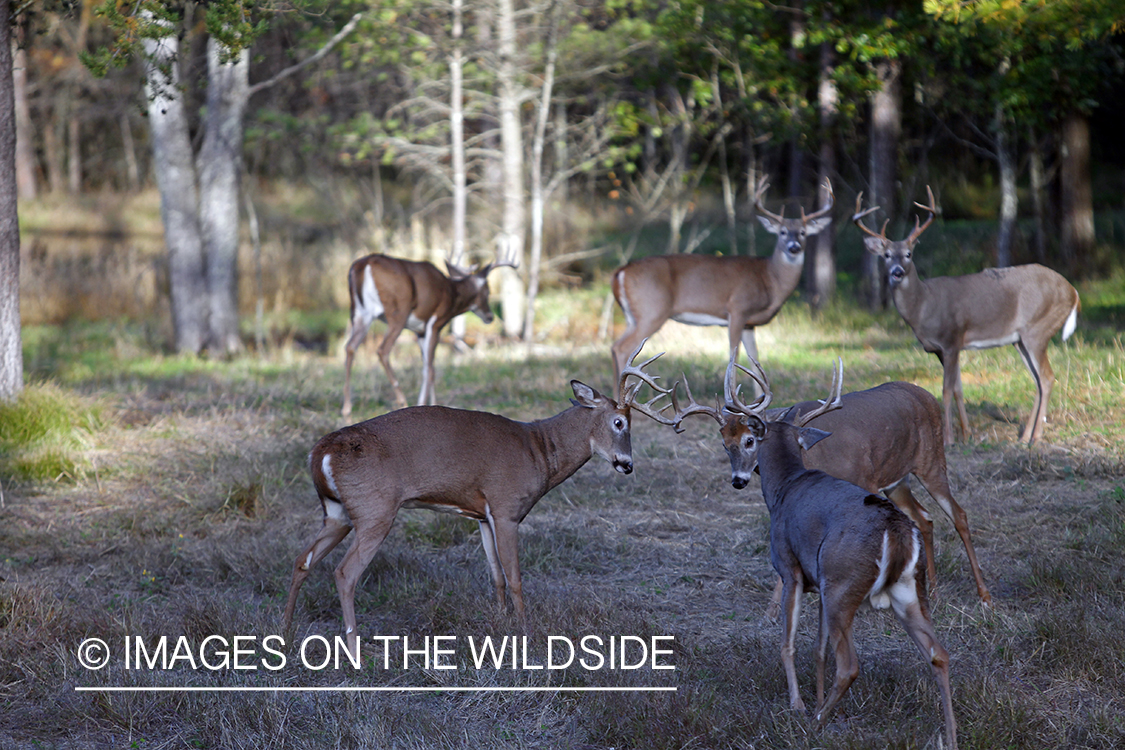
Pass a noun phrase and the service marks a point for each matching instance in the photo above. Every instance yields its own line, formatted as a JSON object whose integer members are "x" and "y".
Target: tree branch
{"x": 320, "y": 53}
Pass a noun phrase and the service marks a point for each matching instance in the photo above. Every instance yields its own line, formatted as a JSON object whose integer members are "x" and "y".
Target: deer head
{"x": 792, "y": 233}
{"x": 896, "y": 254}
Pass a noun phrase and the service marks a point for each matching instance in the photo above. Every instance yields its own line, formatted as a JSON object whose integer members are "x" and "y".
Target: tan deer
{"x": 1020, "y": 305}
{"x": 474, "y": 464}
{"x": 830, "y": 536}
{"x": 415, "y": 295}
{"x": 707, "y": 290}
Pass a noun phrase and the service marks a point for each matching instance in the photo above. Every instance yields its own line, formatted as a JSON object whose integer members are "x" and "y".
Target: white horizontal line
{"x": 366, "y": 689}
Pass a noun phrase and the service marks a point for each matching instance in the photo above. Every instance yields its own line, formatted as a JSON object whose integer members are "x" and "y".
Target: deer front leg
{"x": 505, "y": 532}
{"x": 838, "y": 624}
{"x": 951, "y": 392}
{"x": 488, "y": 542}
{"x": 790, "y": 613}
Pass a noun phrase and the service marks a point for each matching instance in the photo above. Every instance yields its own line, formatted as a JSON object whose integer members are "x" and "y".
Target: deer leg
{"x": 355, "y": 337}
{"x": 641, "y": 321}
{"x": 791, "y": 610}
{"x": 838, "y": 624}
{"x": 1034, "y": 355}
{"x": 938, "y": 487}
{"x": 348, "y": 572}
{"x": 950, "y": 392}
{"x": 507, "y": 550}
{"x": 912, "y": 612}
{"x": 904, "y": 499}
{"x": 488, "y": 541}
{"x": 385, "y": 346}
{"x": 331, "y": 533}
{"x": 750, "y": 344}
{"x": 428, "y": 344}
{"x": 774, "y": 607}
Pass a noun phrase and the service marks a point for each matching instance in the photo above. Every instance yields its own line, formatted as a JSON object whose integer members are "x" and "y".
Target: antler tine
{"x": 932, "y": 208}
{"x": 628, "y": 394}
{"x": 730, "y": 391}
{"x": 826, "y": 209}
{"x": 692, "y": 408}
{"x": 833, "y": 401}
{"x": 761, "y": 208}
{"x": 859, "y": 214}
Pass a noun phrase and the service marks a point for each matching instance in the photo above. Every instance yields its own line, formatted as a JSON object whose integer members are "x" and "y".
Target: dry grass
{"x": 200, "y": 501}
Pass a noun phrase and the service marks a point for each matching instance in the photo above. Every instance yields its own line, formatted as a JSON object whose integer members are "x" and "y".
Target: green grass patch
{"x": 43, "y": 432}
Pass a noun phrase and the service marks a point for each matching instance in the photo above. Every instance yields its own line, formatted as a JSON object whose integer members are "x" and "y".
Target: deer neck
{"x": 910, "y": 296}
{"x": 779, "y": 462}
{"x": 785, "y": 270}
{"x": 563, "y": 443}
{"x": 464, "y": 293}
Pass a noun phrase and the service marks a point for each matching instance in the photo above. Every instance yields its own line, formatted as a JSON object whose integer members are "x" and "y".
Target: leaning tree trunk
{"x": 513, "y": 221}
{"x": 886, "y": 127}
{"x": 820, "y": 261}
{"x": 11, "y": 347}
{"x": 1008, "y": 200}
{"x": 175, "y": 179}
{"x": 1077, "y": 219}
{"x": 220, "y": 166}
{"x": 25, "y": 148}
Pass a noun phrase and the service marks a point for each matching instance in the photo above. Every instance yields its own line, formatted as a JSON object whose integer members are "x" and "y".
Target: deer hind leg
{"x": 938, "y": 487}
{"x": 355, "y": 337}
{"x": 910, "y": 607}
{"x": 1034, "y": 354}
{"x": 836, "y": 629}
{"x": 791, "y": 611}
{"x": 904, "y": 499}
{"x": 488, "y": 541}
{"x": 331, "y": 533}
{"x": 385, "y": 346}
{"x": 428, "y": 344}
{"x": 640, "y": 322}
{"x": 506, "y": 536}
{"x": 348, "y": 572}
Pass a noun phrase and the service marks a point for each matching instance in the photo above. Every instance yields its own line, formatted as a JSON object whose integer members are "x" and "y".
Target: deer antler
{"x": 858, "y": 215}
{"x": 833, "y": 401}
{"x": 692, "y": 408}
{"x": 827, "y": 209}
{"x": 932, "y": 208}
{"x": 762, "y": 187}
{"x": 628, "y": 396}
{"x": 730, "y": 391}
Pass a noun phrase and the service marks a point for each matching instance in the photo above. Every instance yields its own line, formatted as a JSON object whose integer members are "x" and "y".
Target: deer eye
{"x": 618, "y": 424}
{"x": 748, "y": 441}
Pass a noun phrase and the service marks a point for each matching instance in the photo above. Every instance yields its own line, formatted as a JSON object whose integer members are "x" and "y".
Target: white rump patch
{"x": 624, "y": 302}
{"x": 336, "y": 512}
{"x": 878, "y": 596}
{"x": 700, "y": 319}
{"x": 326, "y": 467}
{"x": 368, "y": 307}
{"x": 415, "y": 325}
{"x": 1071, "y": 322}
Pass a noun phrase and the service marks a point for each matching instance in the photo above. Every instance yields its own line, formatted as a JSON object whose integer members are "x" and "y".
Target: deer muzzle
{"x": 623, "y": 464}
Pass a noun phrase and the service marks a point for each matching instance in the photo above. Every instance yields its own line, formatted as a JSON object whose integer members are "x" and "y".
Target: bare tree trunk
{"x": 1077, "y": 221}
{"x": 886, "y": 128}
{"x": 681, "y": 138}
{"x": 820, "y": 259}
{"x": 11, "y": 346}
{"x": 513, "y": 221}
{"x": 175, "y": 178}
{"x": 73, "y": 154}
{"x": 132, "y": 170}
{"x": 1008, "y": 199}
{"x": 52, "y": 151}
{"x": 1038, "y": 199}
{"x": 724, "y": 173}
{"x": 538, "y": 198}
{"x": 25, "y": 149}
{"x": 220, "y": 167}
{"x": 457, "y": 138}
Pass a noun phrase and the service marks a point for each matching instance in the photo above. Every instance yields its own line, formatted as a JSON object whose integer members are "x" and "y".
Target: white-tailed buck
{"x": 1020, "y": 305}
{"x": 474, "y": 464}
{"x": 415, "y": 295}
{"x": 831, "y": 536}
{"x": 707, "y": 290}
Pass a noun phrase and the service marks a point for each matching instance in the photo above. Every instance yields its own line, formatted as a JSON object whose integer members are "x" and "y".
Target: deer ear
{"x": 874, "y": 245}
{"x": 584, "y": 395}
{"x": 769, "y": 224}
{"x": 810, "y": 436}
{"x": 816, "y": 226}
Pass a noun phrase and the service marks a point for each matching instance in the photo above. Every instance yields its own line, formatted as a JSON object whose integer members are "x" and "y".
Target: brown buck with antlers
{"x": 1020, "y": 305}
{"x": 474, "y": 464}
{"x": 831, "y": 536}
{"x": 415, "y": 295}
{"x": 739, "y": 293}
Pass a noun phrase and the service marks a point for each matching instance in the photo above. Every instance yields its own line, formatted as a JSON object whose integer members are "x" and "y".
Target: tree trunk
{"x": 1008, "y": 199}
{"x": 457, "y": 138}
{"x": 886, "y": 128}
{"x": 820, "y": 260}
{"x": 1038, "y": 181}
{"x": 513, "y": 221}
{"x": 175, "y": 179}
{"x": 1077, "y": 220}
{"x": 11, "y": 345}
{"x": 25, "y": 149}
{"x": 220, "y": 166}
{"x": 73, "y": 153}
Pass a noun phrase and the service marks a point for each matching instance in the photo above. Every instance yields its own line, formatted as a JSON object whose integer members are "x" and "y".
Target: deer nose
{"x": 897, "y": 274}
{"x": 739, "y": 482}
{"x": 623, "y": 464}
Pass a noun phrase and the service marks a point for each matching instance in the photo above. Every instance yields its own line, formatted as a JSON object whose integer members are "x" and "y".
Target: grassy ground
{"x": 174, "y": 498}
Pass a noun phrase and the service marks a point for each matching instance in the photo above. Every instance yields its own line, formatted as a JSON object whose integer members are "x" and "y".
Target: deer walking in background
{"x": 831, "y": 536}
{"x": 474, "y": 464}
{"x": 704, "y": 290}
{"x": 1020, "y": 305}
{"x": 415, "y": 295}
